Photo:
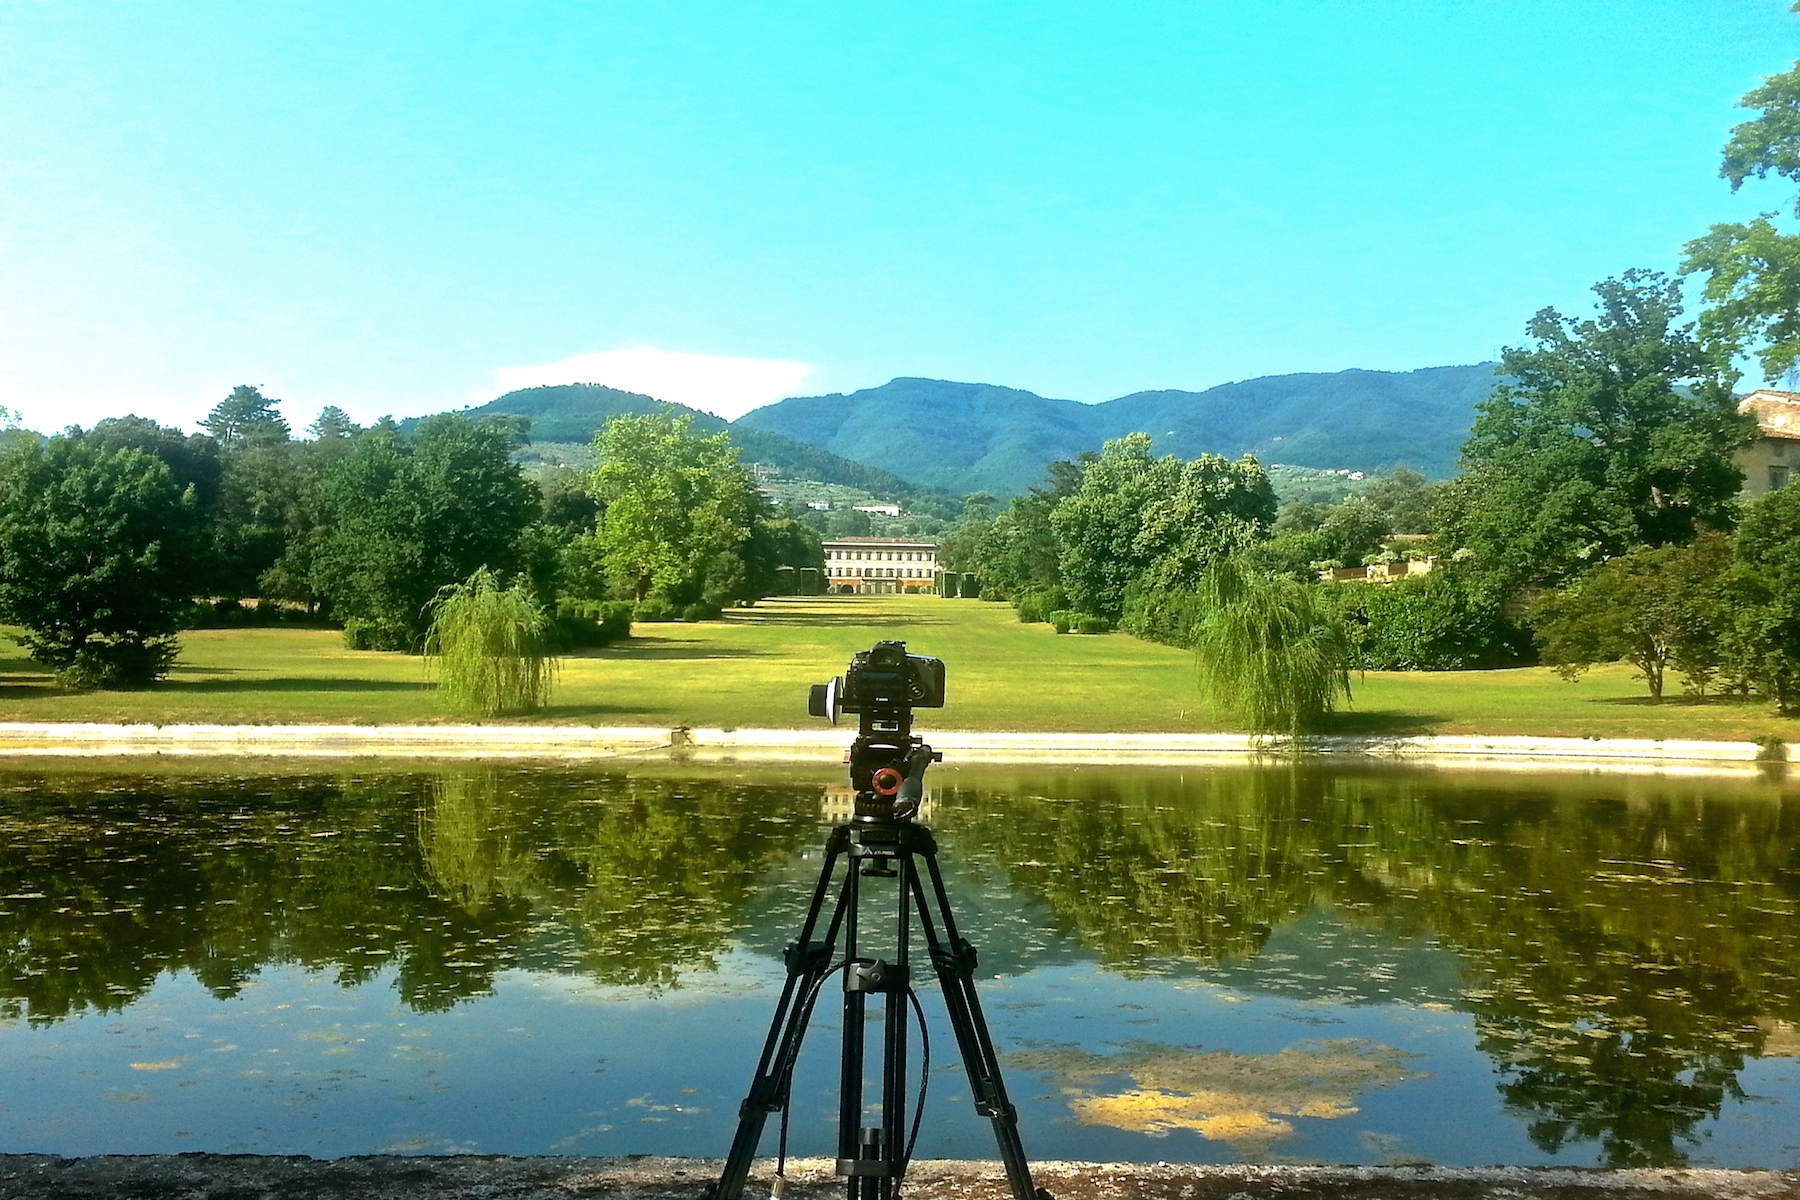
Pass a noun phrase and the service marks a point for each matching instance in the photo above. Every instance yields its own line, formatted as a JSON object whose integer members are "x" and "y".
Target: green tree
{"x": 1752, "y": 268}
{"x": 1355, "y": 528}
{"x": 261, "y": 507}
{"x": 1019, "y": 553}
{"x": 1271, "y": 654}
{"x": 678, "y": 507}
{"x": 246, "y": 416}
{"x": 333, "y": 425}
{"x": 1763, "y": 642}
{"x": 404, "y": 519}
{"x": 193, "y": 459}
{"x": 1406, "y": 499}
{"x": 960, "y": 540}
{"x": 1158, "y": 519}
{"x": 1607, "y": 433}
{"x": 1652, "y": 607}
{"x": 490, "y": 645}
{"x": 98, "y": 557}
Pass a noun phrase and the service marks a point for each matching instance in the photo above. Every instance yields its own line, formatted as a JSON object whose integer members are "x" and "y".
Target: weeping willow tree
{"x": 1270, "y": 655}
{"x": 490, "y": 647}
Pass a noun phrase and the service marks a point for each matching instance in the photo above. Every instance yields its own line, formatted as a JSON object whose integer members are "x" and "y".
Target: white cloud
{"x": 726, "y": 387}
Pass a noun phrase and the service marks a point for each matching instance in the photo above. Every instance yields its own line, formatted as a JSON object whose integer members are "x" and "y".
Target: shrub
{"x": 1042, "y": 602}
{"x": 119, "y": 664}
{"x": 364, "y": 634}
{"x": 969, "y": 587}
{"x": 1062, "y": 620}
{"x": 588, "y": 623}
{"x": 1172, "y": 618}
{"x": 233, "y": 614}
{"x": 1442, "y": 622}
{"x": 1091, "y": 624}
{"x": 615, "y": 619}
{"x": 490, "y": 646}
{"x": 652, "y": 610}
{"x": 700, "y": 610}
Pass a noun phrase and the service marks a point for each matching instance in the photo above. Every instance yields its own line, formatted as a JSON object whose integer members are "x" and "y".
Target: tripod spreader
{"x": 873, "y": 1159}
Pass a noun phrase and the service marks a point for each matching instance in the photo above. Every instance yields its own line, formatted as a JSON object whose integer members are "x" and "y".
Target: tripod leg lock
{"x": 806, "y": 958}
{"x": 765, "y": 1097}
{"x": 995, "y": 1109}
{"x": 874, "y": 975}
{"x": 960, "y": 958}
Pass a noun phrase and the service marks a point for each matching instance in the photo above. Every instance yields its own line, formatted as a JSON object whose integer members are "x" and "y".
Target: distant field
{"x": 752, "y": 670}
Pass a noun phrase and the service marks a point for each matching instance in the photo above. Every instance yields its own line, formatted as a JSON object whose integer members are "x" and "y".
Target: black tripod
{"x": 881, "y": 841}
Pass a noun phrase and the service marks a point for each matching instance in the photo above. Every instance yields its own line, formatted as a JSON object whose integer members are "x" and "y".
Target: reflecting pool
{"x": 1275, "y": 964}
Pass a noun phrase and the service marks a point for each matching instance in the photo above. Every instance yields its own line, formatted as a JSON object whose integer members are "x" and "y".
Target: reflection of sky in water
{"x": 296, "y": 1063}
{"x": 551, "y": 1064}
{"x": 1268, "y": 967}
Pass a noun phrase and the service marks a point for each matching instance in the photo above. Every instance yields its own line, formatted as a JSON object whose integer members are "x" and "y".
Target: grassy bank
{"x": 752, "y": 670}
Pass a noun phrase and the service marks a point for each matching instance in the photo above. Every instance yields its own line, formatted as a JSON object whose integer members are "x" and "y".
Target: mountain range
{"x": 911, "y": 434}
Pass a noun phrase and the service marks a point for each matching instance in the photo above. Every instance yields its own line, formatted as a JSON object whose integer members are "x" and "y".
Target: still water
{"x": 1271, "y": 964}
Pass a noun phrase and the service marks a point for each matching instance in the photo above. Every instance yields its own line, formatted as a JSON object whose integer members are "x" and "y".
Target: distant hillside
{"x": 574, "y": 412}
{"x": 967, "y": 436}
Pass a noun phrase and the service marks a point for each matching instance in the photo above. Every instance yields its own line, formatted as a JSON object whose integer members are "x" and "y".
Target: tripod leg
{"x": 894, "y": 1017}
{"x": 807, "y": 963}
{"x": 955, "y": 960}
{"x": 850, "y": 1082}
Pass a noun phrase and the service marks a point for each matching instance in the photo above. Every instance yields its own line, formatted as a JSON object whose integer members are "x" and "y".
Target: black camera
{"x": 881, "y": 679}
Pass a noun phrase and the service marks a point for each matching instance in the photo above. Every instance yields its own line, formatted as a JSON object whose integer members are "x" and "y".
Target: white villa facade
{"x": 880, "y": 565}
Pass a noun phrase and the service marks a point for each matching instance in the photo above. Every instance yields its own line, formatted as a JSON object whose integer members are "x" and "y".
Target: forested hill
{"x": 573, "y": 412}
{"x": 913, "y": 434}
{"x": 966, "y": 436}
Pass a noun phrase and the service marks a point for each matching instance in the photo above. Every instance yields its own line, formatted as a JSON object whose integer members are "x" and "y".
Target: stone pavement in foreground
{"x": 392, "y": 1177}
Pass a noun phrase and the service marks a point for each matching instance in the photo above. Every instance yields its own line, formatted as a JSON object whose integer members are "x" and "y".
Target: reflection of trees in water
{"x": 1626, "y": 947}
{"x": 1626, "y": 944}
{"x": 1137, "y": 871}
{"x": 446, "y": 878}
{"x": 1622, "y": 939}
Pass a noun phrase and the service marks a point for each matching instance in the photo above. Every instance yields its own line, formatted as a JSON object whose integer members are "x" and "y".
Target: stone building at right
{"x": 1769, "y": 462}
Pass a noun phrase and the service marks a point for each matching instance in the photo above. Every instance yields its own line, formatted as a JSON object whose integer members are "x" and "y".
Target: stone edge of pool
{"x": 390, "y": 1177}
{"x": 32, "y": 739}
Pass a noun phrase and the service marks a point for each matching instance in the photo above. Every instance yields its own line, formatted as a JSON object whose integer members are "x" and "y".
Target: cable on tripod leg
{"x": 810, "y": 1001}
{"x": 924, "y": 1084}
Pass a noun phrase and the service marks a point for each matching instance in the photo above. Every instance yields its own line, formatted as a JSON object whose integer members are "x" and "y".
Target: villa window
{"x": 1778, "y": 477}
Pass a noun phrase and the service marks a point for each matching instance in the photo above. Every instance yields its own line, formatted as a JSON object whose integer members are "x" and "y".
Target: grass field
{"x": 752, "y": 670}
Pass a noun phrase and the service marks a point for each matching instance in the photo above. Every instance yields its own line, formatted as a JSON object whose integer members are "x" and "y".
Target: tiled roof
{"x": 875, "y": 541}
{"x": 1777, "y": 413}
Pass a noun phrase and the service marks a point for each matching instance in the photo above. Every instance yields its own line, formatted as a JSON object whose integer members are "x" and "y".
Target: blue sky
{"x": 401, "y": 208}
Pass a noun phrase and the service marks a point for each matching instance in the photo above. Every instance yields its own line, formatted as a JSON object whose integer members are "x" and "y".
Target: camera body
{"x": 883, "y": 685}
{"x": 880, "y": 679}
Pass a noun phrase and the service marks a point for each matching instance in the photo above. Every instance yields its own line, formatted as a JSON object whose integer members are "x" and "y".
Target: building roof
{"x": 875, "y": 541}
{"x": 1777, "y": 413}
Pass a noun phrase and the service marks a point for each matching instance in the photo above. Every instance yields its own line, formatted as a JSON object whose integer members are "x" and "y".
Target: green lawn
{"x": 752, "y": 670}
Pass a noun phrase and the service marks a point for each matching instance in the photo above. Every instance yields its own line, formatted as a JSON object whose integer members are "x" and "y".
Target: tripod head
{"x": 883, "y": 685}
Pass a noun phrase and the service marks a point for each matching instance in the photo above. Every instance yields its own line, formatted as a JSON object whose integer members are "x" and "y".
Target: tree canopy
{"x": 1160, "y": 519}
{"x": 1608, "y": 432}
{"x": 246, "y": 417}
{"x": 406, "y": 518}
{"x": 98, "y": 553}
{"x": 1752, "y": 268}
{"x": 679, "y": 507}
